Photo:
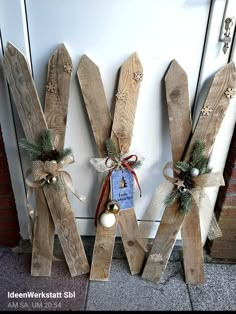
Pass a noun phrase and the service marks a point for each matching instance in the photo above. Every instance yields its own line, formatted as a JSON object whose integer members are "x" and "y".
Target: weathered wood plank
{"x": 23, "y": 92}
{"x": 43, "y": 240}
{"x": 32, "y": 119}
{"x": 100, "y": 119}
{"x": 57, "y": 93}
{"x": 176, "y": 84}
{"x": 131, "y": 240}
{"x": 180, "y": 130}
{"x": 95, "y": 101}
{"x": 131, "y": 74}
{"x": 206, "y": 130}
{"x": 18, "y": 71}
{"x": 70, "y": 240}
{"x": 172, "y": 219}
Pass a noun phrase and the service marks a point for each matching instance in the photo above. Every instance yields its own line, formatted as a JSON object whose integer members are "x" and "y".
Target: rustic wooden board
{"x": 131, "y": 238}
{"x": 32, "y": 119}
{"x": 122, "y": 130}
{"x": 126, "y": 102}
{"x": 57, "y": 93}
{"x": 95, "y": 101}
{"x": 43, "y": 240}
{"x": 100, "y": 119}
{"x": 28, "y": 106}
{"x": 56, "y": 109}
{"x": 23, "y": 92}
{"x": 172, "y": 220}
{"x": 70, "y": 240}
{"x": 176, "y": 83}
{"x": 206, "y": 130}
{"x": 92, "y": 90}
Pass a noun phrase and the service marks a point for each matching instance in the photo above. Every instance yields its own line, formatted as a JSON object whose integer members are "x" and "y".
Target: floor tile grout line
{"x": 87, "y": 294}
{"x": 187, "y": 286}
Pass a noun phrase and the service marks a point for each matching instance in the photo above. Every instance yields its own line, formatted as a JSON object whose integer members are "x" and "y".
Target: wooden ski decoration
{"x": 96, "y": 104}
{"x": 52, "y": 205}
{"x": 206, "y": 130}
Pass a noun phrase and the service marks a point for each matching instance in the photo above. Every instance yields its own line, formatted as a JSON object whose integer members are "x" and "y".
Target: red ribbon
{"x": 126, "y": 163}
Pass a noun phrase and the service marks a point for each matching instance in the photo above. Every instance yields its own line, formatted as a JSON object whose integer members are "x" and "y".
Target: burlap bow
{"x": 43, "y": 173}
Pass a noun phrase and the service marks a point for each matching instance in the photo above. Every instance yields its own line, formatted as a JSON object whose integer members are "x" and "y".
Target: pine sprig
{"x": 65, "y": 152}
{"x": 111, "y": 149}
{"x": 171, "y": 198}
{"x": 46, "y": 140}
{"x": 197, "y": 152}
{"x": 33, "y": 150}
{"x": 44, "y": 149}
{"x": 182, "y": 165}
{"x": 185, "y": 202}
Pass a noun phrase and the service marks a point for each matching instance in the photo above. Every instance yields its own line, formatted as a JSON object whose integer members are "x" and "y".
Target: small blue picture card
{"x": 122, "y": 188}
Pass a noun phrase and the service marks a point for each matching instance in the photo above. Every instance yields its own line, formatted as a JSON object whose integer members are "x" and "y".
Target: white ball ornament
{"x": 107, "y": 219}
{"x": 194, "y": 172}
{"x": 54, "y": 179}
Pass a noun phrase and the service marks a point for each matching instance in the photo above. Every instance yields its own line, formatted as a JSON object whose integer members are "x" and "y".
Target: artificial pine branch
{"x": 171, "y": 198}
{"x": 65, "y": 152}
{"x": 182, "y": 165}
{"x": 111, "y": 149}
{"x": 33, "y": 150}
{"x": 197, "y": 152}
{"x": 185, "y": 202}
{"x": 46, "y": 140}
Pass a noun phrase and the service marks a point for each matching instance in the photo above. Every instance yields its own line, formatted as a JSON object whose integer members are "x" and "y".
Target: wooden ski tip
{"x": 175, "y": 68}
{"x": 85, "y": 62}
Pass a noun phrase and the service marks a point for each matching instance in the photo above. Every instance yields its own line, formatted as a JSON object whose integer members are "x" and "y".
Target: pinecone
{"x": 187, "y": 178}
{"x": 50, "y": 155}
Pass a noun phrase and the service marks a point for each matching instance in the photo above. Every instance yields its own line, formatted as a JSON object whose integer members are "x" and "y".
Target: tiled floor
{"x": 122, "y": 292}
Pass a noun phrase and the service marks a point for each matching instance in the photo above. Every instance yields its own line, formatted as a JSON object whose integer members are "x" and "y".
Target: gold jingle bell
{"x": 113, "y": 207}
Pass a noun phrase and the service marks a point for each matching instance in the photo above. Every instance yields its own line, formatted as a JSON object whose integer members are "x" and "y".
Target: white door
{"x": 108, "y": 32}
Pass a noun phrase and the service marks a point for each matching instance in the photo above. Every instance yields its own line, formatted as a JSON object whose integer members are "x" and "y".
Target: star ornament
{"x": 179, "y": 183}
{"x": 206, "y": 110}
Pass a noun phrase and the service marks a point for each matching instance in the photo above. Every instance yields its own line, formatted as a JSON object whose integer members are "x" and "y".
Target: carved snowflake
{"x": 51, "y": 88}
{"x": 138, "y": 76}
{"x": 206, "y": 110}
{"x": 230, "y": 92}
{"x": 68, "y": 68}
{"x": 120, "y": 95}
{"x": 156, "y": 257}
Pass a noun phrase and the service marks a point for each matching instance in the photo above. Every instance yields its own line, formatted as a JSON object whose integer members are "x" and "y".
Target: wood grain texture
{"x": 100, "y": 119}
{"x": 131, "y": 238}
{"x": 92, "y": 90}
{"x": 31, "y": 115}
{"x": 56, "y": 109}
{"x": 172, "y": 219}
{"x": 95, "y": 101}
{"x": 32, "y": 119}
{"x": 23, "y": 92}
{"x": 43, "y": 240}
{"x": 56, "y": 101}
{"x": 122, "y": 131}
{"x": 126, "y": 102}
{"x": 176, "y": 84}
{"x": 206, "y": 130}
{"x": 70, "y": 240}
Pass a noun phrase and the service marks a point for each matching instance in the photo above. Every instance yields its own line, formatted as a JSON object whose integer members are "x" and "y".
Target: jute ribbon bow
{"x": 48, "y": 172}
{"x": 200, "y": 198}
